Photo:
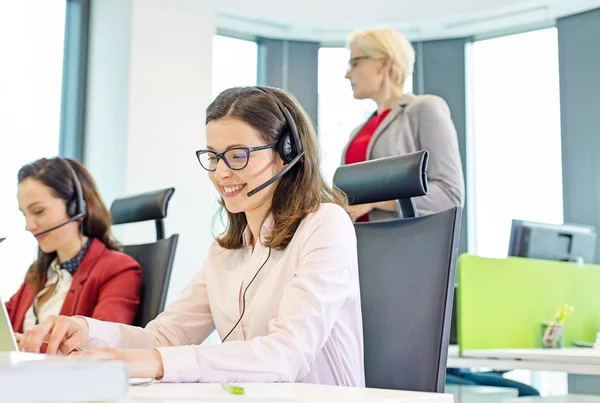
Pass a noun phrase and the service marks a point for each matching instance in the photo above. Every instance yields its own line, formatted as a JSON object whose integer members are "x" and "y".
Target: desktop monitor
{"x": 564, "y": 242}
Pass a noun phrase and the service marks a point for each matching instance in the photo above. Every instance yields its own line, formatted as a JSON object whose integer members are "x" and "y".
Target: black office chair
{"x": 155, "y": 258}
{"x": 407, "y": 269}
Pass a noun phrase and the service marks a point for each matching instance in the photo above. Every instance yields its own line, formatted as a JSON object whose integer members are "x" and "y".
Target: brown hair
{"x": 300, "y": 191}
{"x": 54, "y": 174}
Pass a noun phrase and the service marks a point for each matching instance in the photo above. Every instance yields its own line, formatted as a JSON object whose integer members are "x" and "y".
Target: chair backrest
{"x": 407, "y": 269}
{"x": 155, "y": 258}
{"x": 143, "y": 207}
{"x": 400, "y": 177}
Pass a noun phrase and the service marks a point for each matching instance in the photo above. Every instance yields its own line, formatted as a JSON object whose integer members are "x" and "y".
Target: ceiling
{"x": 331, "y": 21}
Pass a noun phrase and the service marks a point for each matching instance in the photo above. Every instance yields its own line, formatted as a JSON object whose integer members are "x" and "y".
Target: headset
{"x": 76, "y": 207}
{"x": 289, "y": 145}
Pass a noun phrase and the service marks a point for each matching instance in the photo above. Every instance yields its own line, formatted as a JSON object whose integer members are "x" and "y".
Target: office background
{"x": 122, "y": 85}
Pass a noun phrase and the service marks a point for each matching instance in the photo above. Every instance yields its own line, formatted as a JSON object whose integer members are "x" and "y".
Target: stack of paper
{"x": 28, "y": 378}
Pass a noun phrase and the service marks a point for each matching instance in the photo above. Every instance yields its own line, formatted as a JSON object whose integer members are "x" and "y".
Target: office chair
{"x": 155, "y": 258}
{"x": 406, "y": 270}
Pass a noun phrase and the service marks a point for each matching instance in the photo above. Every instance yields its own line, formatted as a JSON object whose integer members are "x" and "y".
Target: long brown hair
{"x": 300, "y": 191}
{"x": 54, "y": 174}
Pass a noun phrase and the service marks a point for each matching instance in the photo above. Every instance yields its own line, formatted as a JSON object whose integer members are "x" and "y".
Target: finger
{"x": 59, "y": 334}
{"x": 72, "y": 343}
{"x": 32, "y": 340}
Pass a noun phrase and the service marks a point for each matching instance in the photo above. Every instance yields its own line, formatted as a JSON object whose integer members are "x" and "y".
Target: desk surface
{"x": 556, "y": 399}
{"x": 281, "y": 392}
{"x": 584, "y": 361}
{"x": 583, "y": 355}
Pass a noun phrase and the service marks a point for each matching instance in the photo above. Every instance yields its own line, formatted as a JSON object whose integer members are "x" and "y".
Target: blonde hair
{"x": 387, "y": 42}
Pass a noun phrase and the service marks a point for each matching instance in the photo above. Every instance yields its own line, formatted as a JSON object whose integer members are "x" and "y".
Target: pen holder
{"x": 552, "y": 335}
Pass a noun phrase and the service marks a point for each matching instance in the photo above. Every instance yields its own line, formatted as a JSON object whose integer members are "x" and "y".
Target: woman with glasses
{"x": 381, "y": 60}
{"x": 280, "y": 285}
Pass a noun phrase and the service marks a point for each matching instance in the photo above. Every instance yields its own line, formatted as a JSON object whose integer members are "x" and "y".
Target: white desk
{"x": 281, "y": 392}
{"x": 481, "y": 394}
{"x": 582, "y": 364}
{"x": 583, "y": 361}
{"x": 556, "y": 399}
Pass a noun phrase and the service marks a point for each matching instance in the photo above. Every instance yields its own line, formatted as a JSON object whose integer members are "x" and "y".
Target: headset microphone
{"x": 279, "y": 175}
{"x": 70, "y": 220}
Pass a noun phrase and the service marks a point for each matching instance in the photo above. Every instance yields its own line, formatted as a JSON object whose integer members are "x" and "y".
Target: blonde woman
{"x": 381, "y": 60}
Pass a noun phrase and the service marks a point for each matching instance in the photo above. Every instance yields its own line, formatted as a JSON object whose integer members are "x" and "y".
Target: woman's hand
{"x": 62, "y": 333}
{"x": 140, "y": 363}
{"x": 359, "y": 210}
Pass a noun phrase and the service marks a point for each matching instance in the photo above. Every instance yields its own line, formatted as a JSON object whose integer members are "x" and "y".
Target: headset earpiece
{"x": 285, "y": 148}
{"x": 76, "y": 206}
{"x": 72, "y": 208}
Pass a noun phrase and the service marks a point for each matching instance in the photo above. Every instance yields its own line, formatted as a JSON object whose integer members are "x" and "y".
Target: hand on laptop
{"x": 62, "y": 333}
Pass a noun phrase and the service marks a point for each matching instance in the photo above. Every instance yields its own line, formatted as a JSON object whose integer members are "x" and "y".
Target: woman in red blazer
{"x": 79, "y": 269}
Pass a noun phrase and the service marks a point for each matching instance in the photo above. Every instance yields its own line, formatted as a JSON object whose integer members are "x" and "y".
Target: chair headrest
{"x": 141, "y": 207}
{"x": 391, "y": 178}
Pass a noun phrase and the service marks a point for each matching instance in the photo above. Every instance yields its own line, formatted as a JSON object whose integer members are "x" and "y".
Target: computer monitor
{"x": 564, "y": 242}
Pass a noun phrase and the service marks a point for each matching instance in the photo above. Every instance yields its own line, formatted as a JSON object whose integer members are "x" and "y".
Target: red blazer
{"x": 106, "y": 286}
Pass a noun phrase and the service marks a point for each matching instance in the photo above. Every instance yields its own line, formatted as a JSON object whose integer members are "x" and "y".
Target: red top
{"x": 357, "y": 150}
{"x": 106, "y": 286}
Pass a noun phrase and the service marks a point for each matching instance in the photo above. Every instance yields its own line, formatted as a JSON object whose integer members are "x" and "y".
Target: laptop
{"x": 8, "y": 342}
{"x": 7, "y": 336}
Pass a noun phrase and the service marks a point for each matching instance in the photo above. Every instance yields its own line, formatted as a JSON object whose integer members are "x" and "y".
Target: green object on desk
{"x": 234, "y": 390}
{"x": 501, "y": 302}
{"x": 563, "y": 313}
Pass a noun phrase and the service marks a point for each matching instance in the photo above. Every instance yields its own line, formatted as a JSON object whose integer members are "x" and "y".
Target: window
{"x": 30, "y": 97}
{"x": 339, "y": 112}
{"x": 234, "y": 63}
{"x": 516, "y": 145}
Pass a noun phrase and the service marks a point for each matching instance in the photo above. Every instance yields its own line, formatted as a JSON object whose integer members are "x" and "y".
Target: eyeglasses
{"x": 235, "y": 158}
{"x": 352, "y": 63}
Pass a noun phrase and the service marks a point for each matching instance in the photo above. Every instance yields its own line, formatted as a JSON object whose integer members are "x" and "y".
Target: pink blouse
{"x": 302, "y": 322}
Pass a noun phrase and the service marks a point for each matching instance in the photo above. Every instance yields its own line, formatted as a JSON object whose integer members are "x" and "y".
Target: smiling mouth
{"x": 229, "y": 190}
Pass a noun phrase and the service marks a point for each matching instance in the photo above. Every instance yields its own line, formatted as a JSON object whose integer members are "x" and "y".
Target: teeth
{"x": 231, "y": 189}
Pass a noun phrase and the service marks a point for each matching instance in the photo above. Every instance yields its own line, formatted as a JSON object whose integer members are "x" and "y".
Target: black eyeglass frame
{"x": 221, "y": 156}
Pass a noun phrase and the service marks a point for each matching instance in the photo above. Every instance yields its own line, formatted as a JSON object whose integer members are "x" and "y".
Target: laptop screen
{"x": 7, "y": 337}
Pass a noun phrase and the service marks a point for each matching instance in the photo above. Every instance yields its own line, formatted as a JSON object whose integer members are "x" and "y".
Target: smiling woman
{"x": 79, "y": 270}
{"x": 280, "y": 285}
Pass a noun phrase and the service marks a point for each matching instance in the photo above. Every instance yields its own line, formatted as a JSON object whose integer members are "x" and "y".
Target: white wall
{"x": 149, "y": 86}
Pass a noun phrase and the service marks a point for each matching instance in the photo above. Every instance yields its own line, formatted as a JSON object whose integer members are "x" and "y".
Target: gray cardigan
{"x": 421, "y": 122}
